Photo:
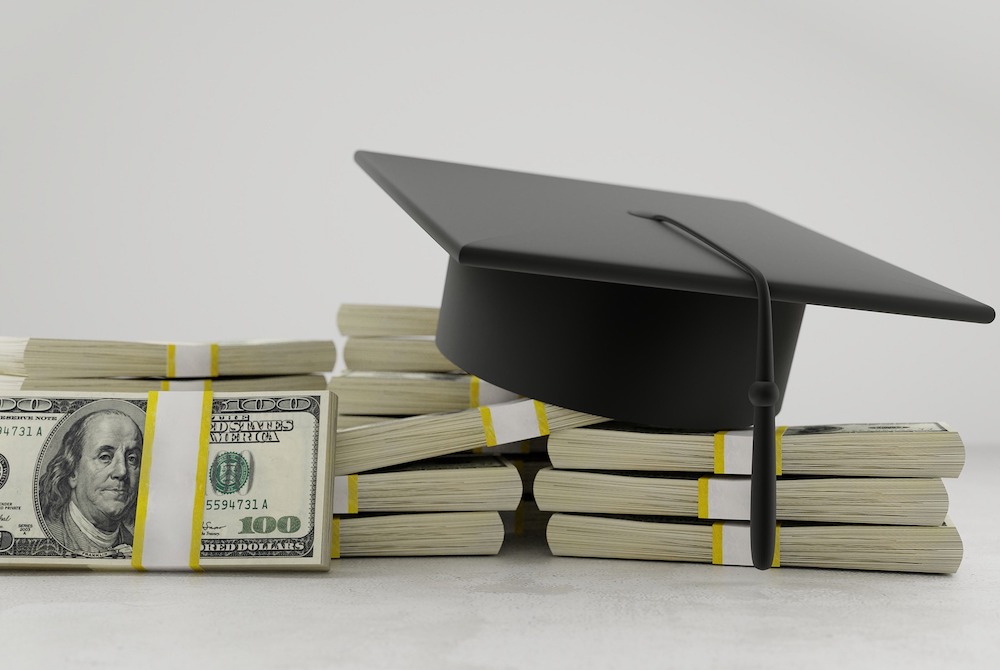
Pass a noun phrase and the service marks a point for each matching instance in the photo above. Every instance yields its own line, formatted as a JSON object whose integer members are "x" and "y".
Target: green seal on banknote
{"x": 229, "y": 472}
{"x": 4, "y": 470}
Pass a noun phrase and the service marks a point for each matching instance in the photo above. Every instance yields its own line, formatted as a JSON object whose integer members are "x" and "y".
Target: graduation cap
{"x": 663, "y": 309}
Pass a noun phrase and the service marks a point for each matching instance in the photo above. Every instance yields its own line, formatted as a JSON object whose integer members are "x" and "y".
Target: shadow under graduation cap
{"x": 577, "y": 294}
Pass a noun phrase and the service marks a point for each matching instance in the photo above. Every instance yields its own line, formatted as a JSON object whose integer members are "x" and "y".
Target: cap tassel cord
{"x": 763, "y": 395}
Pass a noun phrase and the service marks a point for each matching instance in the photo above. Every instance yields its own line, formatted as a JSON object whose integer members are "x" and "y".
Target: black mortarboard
{"x": 631, "y": 303}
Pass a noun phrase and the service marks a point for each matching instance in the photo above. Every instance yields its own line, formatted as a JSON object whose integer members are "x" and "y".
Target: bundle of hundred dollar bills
{"x": 166, "y": 480}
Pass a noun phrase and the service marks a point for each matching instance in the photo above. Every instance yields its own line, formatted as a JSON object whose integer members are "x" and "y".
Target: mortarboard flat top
{"x": 556, "y": 291}
{"x": 554, "y": 226}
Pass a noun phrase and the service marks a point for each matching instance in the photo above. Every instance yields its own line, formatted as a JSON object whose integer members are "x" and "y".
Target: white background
{"x": 184, "y": 171}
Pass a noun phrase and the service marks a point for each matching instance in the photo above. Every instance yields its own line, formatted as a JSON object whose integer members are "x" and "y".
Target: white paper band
{"x": 736, "y": 544}
{"x": 187, "y": 385}
{"x": 341, "y": 495}
{"x": 738, "y": 452}
{"x": 192, "y": 360}
{"x": 490, "y": 394}
{"x": 513, "y": 422}
{"x": 173, "y": 471}
{"x": 728, "y": 498}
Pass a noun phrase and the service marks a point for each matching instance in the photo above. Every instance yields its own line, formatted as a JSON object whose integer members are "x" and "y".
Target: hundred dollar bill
{"x": 166, "y": 480}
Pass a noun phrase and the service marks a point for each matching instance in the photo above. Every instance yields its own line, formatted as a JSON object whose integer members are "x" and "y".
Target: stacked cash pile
{"x": 38, "y": 364}
{"x": 863, "y": 497}
{"x": 848, "y": 496}
{"x": 166, "y": 480}
{"x": 98, "y": 452}
{"x": 428, "y": 456}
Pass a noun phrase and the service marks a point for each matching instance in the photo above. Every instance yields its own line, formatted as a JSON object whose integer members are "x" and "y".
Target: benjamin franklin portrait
{"x": 87, "y": 491}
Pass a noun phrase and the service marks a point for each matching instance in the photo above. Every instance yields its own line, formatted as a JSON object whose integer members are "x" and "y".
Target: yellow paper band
{"x": 703, "y": 497}
{"x": 777, "y": 449}
{"x": 491, "y": 436}
{"x": 720, "y": 453}
{"x": 776, "y": 563}
{"x": 474, "y": 391}
{"x": 335, "y": 544}
{"x": 171, "y": 360}
{"x": 139, "y": 534}
{"x": 352, "y": 494}
{"x": 716, "y": 544}
{"x": 200, "y": 481}
{"x": 543, "y": 419}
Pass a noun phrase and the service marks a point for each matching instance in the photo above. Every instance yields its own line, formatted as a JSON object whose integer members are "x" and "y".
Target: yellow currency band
{"x": 474, "y": 391}
{"x": 139, "y": 535}
{"x": 335, "y": 543}
{"x": 720, "y": 454}
{"x": 352, "y": 494}
{"x": 543, "y": 419}
{"x": 716, "y": 541}
{"x": 776, "y": 563}
{"x": 491, "y": 436}
{"x": 777, "y": 455}
{"x": 703, "y": 499}
{"x": 201, "y": 479}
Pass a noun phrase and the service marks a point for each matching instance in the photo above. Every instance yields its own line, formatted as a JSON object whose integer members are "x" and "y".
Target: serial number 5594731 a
{"x": 20, "y": 431}
{"x": 234, "y": 503}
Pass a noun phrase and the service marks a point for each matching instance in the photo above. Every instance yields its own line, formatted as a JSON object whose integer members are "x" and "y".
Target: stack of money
{"x": 394, "y": 367}
{"x": 38, "y": 364}
{"x": 428, "y": 456}
{"x": 166, "y": 480}
{"x": 391, "y": 338}
{"x": 863, "y": 496}
{"x": 857, "y": 496}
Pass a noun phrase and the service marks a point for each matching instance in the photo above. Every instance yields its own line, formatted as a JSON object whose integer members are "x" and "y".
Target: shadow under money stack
{"x": 38, "y": 364}
{"x": 428, "y": 456}
{"x": 862, "y": 496}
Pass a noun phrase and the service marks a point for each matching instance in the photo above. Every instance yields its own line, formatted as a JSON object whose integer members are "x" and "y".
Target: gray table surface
{"x": 524, "y": 608}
